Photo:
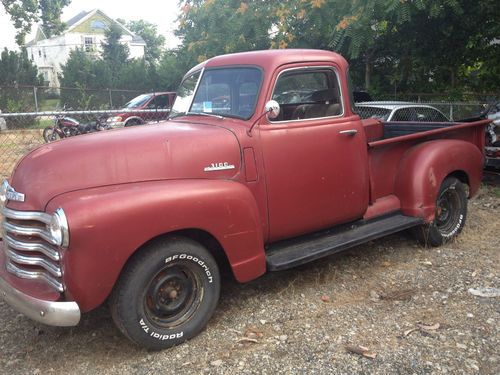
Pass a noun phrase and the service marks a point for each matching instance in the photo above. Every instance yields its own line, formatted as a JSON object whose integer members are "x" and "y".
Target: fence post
{"x": 110, "y": 99}
{"x": 36, "y": 98}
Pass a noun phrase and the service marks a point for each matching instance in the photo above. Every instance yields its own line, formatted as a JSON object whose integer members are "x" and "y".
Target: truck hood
{"x": 170, "y": 150}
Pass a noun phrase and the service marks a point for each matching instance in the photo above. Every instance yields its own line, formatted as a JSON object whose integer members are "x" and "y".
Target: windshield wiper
{"x": 203, "y": 114}
{"x": 195, "y": 114}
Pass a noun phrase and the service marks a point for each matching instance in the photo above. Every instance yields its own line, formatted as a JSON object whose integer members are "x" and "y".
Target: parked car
{"x": 400, "y": 111}
{"x": 157, "y": 103}
{"x": 149, "y": 215}
{"x": 493, "y": 137}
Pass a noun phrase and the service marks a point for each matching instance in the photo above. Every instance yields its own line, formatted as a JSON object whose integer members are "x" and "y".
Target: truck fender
{"x": 424, "y": 167}
{"x": 109, "y": 224}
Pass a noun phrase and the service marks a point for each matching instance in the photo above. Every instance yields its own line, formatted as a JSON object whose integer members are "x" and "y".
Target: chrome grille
{"x": 29, "y": 248}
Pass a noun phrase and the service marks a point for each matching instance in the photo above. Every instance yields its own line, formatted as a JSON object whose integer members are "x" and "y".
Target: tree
{"x": 114, "y": 53}
{"x": 86, "y": 74}
{"x": 24, "y": 13}
{"x": 154, "y": 41}
{"x": 16, "y": 69}
{"x": 215, "y": 27}
{"x": 50, "y": 14}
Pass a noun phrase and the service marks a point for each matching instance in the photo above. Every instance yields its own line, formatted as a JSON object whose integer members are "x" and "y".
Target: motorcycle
{"x": 65, "y": 127}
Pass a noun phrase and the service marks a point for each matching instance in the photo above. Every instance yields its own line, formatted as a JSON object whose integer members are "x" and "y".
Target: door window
{"x": 307, "y": 94}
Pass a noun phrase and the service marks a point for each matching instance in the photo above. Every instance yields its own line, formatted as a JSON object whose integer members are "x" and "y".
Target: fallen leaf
{"x": 398, "y": 295}
{"x": 246, "y": 339}
{"x": 362, "y": 350}
{"x": 485, "y": 292}
{"x": 429, "y": 328}
{"x": 253, "y": 333}
{"x": 407, "y": 332}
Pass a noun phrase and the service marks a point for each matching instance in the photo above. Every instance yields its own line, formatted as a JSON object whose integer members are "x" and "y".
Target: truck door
{"x": 315, "y": 157}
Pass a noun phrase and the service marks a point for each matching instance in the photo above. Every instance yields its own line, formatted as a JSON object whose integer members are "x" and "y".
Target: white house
{"x": 85, "y": 31}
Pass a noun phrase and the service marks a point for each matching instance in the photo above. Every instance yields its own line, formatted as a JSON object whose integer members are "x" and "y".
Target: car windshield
{"x": 138, "y": 101}
{"x": 226, "y": 92}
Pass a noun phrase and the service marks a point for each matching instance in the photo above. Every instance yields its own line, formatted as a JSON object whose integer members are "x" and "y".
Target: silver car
{"x": 400, "y": 111}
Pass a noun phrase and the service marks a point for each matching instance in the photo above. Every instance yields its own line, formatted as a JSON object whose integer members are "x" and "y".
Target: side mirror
{"x": 272, "y": 109}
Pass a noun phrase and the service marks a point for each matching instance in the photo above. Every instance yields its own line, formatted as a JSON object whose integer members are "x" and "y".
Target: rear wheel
{"x": 50, "y": 134}
{"x": 166, "y": 293}
{"x": 451, "y": 212}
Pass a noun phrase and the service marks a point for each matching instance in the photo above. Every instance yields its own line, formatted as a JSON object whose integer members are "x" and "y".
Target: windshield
{"x": 227, "y": 92}
{"x": 138, "y": 101}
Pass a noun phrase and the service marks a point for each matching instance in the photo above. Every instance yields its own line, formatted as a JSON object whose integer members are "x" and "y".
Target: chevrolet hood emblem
{"x": 7, "y": 192}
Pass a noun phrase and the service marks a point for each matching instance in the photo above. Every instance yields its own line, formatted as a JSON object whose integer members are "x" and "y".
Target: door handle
{"x": 349, "y": 132}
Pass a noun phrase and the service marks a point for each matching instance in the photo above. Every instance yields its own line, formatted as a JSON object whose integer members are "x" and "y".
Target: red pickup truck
{"x": 263, "y": 165}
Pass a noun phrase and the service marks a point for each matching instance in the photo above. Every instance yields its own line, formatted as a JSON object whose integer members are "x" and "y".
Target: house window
{"x": 88, "y": 44}
{"x": 98, "y": 25}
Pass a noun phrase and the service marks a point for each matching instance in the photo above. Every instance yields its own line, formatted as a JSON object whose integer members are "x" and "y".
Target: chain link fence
{"x": 43, "y": 98}
{"x": 420, "y": 111}
{"x": 23, "y": 132}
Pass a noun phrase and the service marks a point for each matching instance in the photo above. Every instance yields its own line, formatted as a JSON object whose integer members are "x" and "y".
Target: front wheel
{"x": 50, "y": 134}
{"x": 451, "y": 212}
{"x": 166, "y": 294}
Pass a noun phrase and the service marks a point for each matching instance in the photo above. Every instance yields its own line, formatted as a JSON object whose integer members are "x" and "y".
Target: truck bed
{"x": 388, "y": 142}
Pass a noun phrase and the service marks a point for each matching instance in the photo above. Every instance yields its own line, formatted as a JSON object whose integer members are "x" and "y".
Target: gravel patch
{"x": 408, "y": 306}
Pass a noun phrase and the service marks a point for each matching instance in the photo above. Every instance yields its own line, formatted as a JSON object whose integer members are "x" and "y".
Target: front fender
{"x": 424, "y": 167}
{"x": 108, "y": 224}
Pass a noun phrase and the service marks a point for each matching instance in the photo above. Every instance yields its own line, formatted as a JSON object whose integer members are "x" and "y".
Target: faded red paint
{"x": 122, "y": 188}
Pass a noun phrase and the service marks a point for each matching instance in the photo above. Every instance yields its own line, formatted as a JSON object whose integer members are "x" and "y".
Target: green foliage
{"x": 16, "y": 69}
{"x": 24, "y": 13}
{"x": 216, "y": 27}
{"x": 50, "y": 15}
{"x": 114, "y": 53}
{"x": 154, "y": 41}
{"x": 83, "y": 72}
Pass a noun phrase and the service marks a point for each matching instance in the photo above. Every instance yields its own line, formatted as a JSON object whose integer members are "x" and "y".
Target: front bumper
{"x": 61, "y": 314}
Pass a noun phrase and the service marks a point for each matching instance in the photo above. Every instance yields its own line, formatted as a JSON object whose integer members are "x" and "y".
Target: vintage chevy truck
{"x": 262, "y": 166}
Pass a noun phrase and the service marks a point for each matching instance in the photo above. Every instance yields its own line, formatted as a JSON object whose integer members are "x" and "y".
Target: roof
{"x": 77, "y": 18}
{"x": 391, "y": 105}
{"x": 273, "y": 58}
{"x": 82, "y": 17}
{"x": 137, "y": 39}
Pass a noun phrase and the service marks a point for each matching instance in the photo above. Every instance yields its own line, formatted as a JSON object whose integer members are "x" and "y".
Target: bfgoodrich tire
{"x": 166, "y": 294}
{"x": 451, "y": 213}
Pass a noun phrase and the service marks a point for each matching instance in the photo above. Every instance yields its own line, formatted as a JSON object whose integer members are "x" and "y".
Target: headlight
{"x": 58, "y": 228}
{"x": 3, "y": 191}
{"x": 115, "y": 119}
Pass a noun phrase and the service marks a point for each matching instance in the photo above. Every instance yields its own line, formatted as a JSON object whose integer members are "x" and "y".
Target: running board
{"x": 296, "y": 251}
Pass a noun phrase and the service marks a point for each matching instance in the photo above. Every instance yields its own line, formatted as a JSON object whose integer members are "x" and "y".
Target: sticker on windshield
{"x": 207, "y": 107}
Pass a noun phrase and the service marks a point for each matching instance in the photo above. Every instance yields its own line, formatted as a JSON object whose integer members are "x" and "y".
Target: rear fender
{"x": 424, "y": 167}
{"x": 108, "y": 224}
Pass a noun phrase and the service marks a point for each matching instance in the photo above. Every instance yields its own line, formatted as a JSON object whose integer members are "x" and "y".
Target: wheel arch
{"x": 109, "y": 224}
{"x": 204, "y": 238}
{"x": 425, "y": 166}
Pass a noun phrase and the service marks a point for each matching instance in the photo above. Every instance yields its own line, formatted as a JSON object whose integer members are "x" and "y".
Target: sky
{"x": 163, "y": 16}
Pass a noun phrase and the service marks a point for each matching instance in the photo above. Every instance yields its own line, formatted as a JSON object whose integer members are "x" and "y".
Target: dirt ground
{"x": 409, "y": 306}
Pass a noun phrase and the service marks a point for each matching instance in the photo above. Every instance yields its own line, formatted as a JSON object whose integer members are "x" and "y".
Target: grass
{"x": 48, "y": 105}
